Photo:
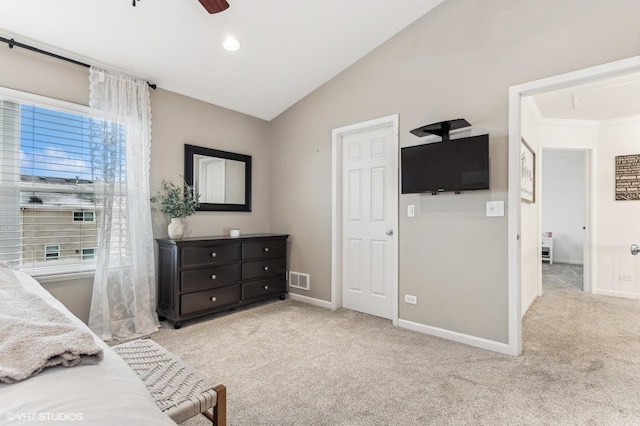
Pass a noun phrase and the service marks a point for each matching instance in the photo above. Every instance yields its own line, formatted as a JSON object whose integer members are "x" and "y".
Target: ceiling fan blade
{"x": 214, "y": 6}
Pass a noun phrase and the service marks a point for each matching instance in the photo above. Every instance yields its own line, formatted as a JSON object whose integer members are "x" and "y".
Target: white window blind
{"x": 52, "y": 162}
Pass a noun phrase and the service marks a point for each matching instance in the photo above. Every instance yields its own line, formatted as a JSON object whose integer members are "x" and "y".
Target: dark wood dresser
{"x": 200, "y": 276}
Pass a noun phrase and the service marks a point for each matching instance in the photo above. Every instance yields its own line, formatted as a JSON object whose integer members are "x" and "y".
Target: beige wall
{"x": 457, "y": 61}
{"x": 176, "y": 120}
{"x": 74, "y": 293}
{"x": 179, "y": 120}
{"x": 35, "y": 73}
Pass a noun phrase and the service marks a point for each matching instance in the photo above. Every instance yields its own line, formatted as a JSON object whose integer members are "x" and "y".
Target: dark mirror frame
{"x": 191, "y": 150}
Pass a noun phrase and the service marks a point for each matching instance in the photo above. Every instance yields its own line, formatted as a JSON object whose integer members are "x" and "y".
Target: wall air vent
{"x": 299, "y": 280}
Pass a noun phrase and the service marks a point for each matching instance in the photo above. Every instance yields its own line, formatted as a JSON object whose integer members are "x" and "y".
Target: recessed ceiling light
{"x": 231, "y": 44}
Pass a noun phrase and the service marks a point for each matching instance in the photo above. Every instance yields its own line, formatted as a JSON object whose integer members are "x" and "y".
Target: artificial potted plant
{"x": 179, "y": 202}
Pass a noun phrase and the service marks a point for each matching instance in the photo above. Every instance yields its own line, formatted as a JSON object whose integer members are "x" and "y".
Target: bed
{"x": 106, "y": 393}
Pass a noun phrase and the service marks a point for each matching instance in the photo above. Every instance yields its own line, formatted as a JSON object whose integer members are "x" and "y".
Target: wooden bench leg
{"x": 219, "y": 416}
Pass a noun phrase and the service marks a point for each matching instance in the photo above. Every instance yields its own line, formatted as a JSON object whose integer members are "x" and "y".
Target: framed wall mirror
{"x": 223, "y": 179}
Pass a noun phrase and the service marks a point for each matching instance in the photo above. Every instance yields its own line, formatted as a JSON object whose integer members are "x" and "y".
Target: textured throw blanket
{"x": 34, "y": 335}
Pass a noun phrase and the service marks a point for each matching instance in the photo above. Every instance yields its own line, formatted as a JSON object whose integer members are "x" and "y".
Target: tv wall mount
{"x": 441, "y": 129}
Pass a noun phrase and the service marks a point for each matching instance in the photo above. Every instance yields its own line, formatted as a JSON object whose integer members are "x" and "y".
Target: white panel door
{"x": 369, "y": 220}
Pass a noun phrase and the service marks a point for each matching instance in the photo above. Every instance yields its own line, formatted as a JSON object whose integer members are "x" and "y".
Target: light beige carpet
{"x": 288, "y": 363}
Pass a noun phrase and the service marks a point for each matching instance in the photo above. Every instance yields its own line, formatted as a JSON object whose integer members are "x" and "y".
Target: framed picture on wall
{"x": 628, "y": 177}
{"x": 527, "y": 173}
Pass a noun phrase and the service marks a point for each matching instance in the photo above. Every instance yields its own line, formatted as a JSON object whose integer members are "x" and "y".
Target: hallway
{"x": 563, "y": 275}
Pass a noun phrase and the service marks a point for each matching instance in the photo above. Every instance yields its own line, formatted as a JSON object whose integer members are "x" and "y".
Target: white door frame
{"x": 516, "y": 93}
{"x": 336, "y": 207}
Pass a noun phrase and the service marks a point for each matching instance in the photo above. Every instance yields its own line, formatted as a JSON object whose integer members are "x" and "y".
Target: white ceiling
{"x": 601, "y": 100}
{"x": 289, "y": 47}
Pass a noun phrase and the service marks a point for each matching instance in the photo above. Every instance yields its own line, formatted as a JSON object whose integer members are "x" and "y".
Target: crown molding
{"x": 634, "y": 119}
{"x": 531, "y": 106}
{"x": 540, "y": 120}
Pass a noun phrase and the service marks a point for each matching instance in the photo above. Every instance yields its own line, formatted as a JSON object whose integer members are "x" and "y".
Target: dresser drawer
{"x": 263, "y": 269}
{"x": 264, "y": 250}
{"x": 210, "y": 299}
{"x": 263, "y": 288}
{"x": 200, "y": 276}
{"x": 210, "y": 255}
{"x": 209, "y": 278}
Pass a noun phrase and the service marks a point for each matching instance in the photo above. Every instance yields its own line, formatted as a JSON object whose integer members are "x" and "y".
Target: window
{"x": 52, "y": 252}
{"x": 51, "y": 155}
{"x": 88, "y": 253}
{"x": 83, "y": 216}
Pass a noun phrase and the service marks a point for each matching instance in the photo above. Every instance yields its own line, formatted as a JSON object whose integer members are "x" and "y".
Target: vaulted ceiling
{"x": 289, "y": 48}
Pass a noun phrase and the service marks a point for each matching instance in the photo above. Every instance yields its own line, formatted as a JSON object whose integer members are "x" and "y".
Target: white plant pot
{"x": 176, "y": 228}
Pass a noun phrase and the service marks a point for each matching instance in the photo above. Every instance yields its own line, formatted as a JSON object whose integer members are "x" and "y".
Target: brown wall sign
{"x": 628, "y": 177}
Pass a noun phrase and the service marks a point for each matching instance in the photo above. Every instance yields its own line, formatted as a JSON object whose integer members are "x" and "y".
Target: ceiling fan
{"x": 212, "y": 6}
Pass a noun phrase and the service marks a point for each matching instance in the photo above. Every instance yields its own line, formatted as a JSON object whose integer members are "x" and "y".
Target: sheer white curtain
{"x": 123, "y": 301}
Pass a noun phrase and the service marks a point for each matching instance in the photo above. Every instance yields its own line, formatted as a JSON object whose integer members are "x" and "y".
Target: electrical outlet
{"x": 411, "y": 299}
{"x": 411, "y": 210}
{"x": 625, "y": 277}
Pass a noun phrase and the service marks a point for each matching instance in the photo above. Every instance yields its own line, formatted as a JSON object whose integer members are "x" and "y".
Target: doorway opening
{"x": 516, "y": 121}
{"x": 564, "y": 209}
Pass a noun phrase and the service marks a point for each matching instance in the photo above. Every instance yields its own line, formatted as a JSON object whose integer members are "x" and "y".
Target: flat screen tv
{"x": 453, "y": 165}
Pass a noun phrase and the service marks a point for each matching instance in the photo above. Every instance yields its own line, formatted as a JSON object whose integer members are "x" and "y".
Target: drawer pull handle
{"x": 266, "y": 287}
{"x": 213, "y": 298}
{"x": 266, "y": 249}
{"x": 213, "y": 277}
{"x": 266, "y": 268}
{"x": 213, "y": 254}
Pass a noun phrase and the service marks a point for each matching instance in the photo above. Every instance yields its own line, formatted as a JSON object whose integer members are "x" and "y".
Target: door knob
{"x": 389, "y": 232}
{"x": 635, "y": 249}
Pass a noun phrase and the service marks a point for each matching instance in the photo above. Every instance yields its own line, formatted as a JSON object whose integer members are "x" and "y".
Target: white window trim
{"x": 94, "y": 254}
{"x": 57, "y": 104}
{"x": 53, "y": 274}
{"x": 84, "y": 216}
{"x": 57, "y": 251}
{"x": 45, "y": 275}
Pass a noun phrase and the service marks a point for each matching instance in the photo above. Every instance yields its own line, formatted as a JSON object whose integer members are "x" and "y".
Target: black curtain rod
{"x": 12, "y": 43}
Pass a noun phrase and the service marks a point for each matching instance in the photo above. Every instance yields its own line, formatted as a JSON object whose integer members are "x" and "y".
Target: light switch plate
{"x": 495, "y": 208}
{"x": 411, "y": 210}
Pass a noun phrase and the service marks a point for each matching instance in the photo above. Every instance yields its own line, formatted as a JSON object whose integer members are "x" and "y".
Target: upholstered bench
{"x": 179, "y": 390}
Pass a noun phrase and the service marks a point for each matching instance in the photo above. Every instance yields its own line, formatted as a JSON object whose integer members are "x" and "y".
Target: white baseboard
{"x": 615, "y": 293}
{"x": 527, "y": 305}
{"x": 478, "y": 342}
{"x": 568, "y": 262}
{"x": 312, "y": 301}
